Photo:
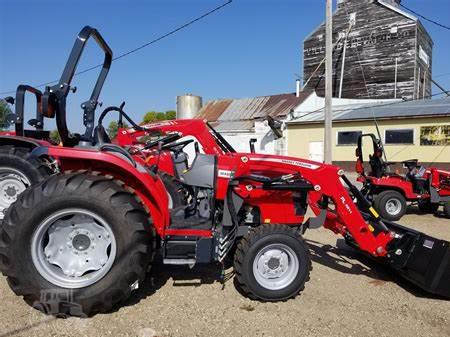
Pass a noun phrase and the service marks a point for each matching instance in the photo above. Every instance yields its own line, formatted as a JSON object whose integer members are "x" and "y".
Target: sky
{"x": 249, "y": 48}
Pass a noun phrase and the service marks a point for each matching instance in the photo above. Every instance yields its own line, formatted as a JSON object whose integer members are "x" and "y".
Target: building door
{"x": 316, "y": 151}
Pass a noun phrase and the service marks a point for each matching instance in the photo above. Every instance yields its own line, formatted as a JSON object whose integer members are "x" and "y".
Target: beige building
{"x": 418, "y": 129}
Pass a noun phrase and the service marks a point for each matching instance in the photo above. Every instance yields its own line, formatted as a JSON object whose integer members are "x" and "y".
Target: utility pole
{"x": 328, "y": 84}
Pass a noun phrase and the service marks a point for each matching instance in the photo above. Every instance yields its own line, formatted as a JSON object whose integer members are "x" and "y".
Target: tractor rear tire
{"x": 69, "y": 219}
{"x": 18, "y": 171}
{"x": 447, "y": 209}
{"x": 390, "y": 204}
{"x": 425, "y": 206}
{"x": 272, "y": 263}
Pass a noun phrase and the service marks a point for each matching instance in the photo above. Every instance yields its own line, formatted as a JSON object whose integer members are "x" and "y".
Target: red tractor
{"x": 81, "y": 241}
{"x": 389, "y": 191}
{"x": 17, "y": 170}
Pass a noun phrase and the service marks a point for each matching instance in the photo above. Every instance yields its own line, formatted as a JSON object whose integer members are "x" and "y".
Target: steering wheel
{"x": 177, "y": 147}
{"x": 122, "y": 113}
{"x": 165, "y": 140}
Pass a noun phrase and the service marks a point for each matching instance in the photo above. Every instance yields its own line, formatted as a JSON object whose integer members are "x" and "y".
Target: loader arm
{"x": 345, "y": 219}
{"x": 422, "y": 259}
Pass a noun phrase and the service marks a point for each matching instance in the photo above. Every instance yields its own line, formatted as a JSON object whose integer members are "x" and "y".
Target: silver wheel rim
{"x": 73, "y": 248}
{"x": 393, "y": 206}
{"x": 276, "y": 266}
{"x": 12, "y": 183}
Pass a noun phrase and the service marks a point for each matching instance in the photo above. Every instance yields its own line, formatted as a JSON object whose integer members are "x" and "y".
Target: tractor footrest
{"x": 188, "y": 250}
{"x": 421, "y": 259}
{"x": 189, "y": 262}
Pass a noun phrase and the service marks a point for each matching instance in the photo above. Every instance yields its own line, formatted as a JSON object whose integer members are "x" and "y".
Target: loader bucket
{"x": 421, "y": 259}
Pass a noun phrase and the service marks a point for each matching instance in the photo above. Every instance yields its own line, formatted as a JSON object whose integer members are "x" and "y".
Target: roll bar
{"x": 55, "y": 96}
{"x": 20, "y": 108}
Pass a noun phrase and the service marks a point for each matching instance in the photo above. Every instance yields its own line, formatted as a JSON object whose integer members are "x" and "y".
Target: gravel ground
{"x": 346, "y": 296}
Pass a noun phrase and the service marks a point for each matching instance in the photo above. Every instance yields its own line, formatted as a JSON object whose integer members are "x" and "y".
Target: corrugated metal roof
{"x": 422, "y": 108}
{"x": 212, "y": 110}
{"x": 251, "y": 108}
{"x": 245, "y": 125}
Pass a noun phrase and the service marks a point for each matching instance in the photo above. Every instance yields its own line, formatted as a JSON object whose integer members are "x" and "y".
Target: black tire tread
{"x": 24, "y": 153}
{"x": 248, "y": 240}
{"x": 447, "y": 209}
{"x": 175, "y": 188}
{"x": 126, "y": 205}
{"x": 428, "y": 207}
{"x": 379, "y": 198}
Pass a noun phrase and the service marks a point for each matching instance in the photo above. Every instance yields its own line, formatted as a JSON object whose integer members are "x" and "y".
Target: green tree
{"x": 5, "y": 110}
{"x": 171, "y": 114}
{"x": 54, "y": 135}
{"x": 160, "y": 116}
{"x": 149, "y": 117}
{"x": 113, "y": 127}
{"x": 154, "y": 116}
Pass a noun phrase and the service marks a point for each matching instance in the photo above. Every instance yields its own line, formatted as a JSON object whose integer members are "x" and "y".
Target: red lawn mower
{"x": 389, "y": 192}
{"x": 81, "y": 241}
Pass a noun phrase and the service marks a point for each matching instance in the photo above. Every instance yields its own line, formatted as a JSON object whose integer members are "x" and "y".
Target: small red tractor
{"x": 389, "y": 191}
{"x": 82, "y": 240}
{"x": 17, "y": 169}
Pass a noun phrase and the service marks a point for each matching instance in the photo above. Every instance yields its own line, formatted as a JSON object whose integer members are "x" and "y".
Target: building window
{"x": 435, "y": 135}
{"x": 348, "y": 137}
{"x": 404, "y": 136}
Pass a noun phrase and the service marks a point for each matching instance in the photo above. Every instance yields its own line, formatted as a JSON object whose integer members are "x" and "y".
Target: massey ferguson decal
{"x": 225, "y": 174}
{"x": 289, "y": 162}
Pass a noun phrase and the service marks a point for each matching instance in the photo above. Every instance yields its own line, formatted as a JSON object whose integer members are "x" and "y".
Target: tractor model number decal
{"x": 289, "y": 162}
{"x": 347, "y": 207}
{"x": 225, "y": 174}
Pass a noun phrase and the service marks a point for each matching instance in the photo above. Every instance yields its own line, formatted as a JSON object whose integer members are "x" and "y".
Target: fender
{"x": 22, "y": 141}
{"x": 148, "y": 186}
{"x": 397, "y": 183}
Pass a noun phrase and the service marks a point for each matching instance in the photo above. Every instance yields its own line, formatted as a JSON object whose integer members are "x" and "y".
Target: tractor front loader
{"x": 82, "y": 240}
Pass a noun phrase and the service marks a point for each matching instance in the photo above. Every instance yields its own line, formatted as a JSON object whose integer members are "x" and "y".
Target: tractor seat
{"x": 410, "y": 163}
{"x": 101, "y": 136}
{"x": 103, "y": 143}
{"x": 377, "y": 167}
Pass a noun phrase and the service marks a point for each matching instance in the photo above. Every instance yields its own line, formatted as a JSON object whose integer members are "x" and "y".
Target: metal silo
{"x": 188, "y": 106}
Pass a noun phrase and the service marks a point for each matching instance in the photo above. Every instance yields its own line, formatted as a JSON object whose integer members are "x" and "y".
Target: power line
{"x": 442, "y": 75}
{"x": 425, "y": 18}
{"x": 172, "y": 32}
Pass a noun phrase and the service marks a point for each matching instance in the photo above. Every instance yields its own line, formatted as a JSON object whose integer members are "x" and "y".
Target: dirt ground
{"x": 346, "y": 296}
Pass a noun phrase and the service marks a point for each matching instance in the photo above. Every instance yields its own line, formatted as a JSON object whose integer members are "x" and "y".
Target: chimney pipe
{"x": 297, "y": 87}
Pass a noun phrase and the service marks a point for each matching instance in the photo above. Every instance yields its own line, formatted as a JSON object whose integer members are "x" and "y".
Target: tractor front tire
{"x": 447, "y": 209}
{"x": 76, "y": 244}
{"x": 425, "y": 206}
{"x": 390, "y": 204}
{"x": 272, "y": 263}
{"x": 18, "y": 171}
